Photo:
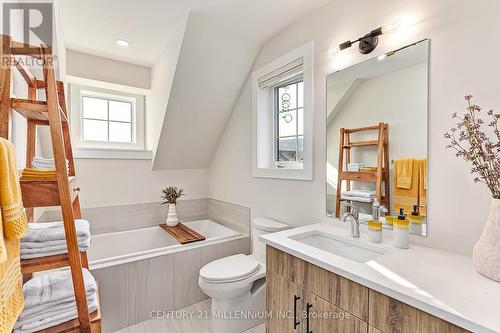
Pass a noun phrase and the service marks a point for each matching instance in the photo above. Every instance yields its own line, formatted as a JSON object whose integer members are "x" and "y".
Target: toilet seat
{"x": 230, "y": 269}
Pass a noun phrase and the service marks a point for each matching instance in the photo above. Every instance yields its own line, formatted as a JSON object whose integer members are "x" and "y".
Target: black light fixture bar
{"x": 367, "y": 43}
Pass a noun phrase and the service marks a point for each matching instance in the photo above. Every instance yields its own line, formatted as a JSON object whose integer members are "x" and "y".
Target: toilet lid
{"x": 232, "y": 268}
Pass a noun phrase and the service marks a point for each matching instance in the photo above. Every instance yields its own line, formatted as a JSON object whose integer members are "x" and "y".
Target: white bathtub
{"x": 125, "y": 246}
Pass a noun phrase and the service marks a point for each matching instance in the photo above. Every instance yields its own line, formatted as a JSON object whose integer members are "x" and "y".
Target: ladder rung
{"x": 19, "y": 48}
{"x": 45, "y": 263}
{"x": 27, "y": 105}
{"x": 34, "y": 110}
{"x": 45, "y": 193}
{"x": 73, "y": 326}
{"x": 362, "y": 129}
{"x": 362, "y": 144}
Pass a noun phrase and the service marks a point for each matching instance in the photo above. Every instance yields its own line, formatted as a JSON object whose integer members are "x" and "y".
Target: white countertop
{"x": 438, "y": 282}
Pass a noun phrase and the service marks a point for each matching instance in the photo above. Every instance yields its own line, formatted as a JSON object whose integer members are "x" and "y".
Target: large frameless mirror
{"x": 377, "y": 138}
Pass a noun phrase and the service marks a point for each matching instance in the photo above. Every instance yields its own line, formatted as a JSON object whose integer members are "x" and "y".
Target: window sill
{"x": 281, "y": 173}
{"x": 117, "y": 154}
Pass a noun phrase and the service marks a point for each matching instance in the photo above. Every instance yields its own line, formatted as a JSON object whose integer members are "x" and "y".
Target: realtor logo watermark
{"x": 30, "y": 24}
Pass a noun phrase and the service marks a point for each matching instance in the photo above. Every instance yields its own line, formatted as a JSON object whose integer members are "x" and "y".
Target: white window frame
{"x": 81, "y": 87}
{"x": 263, "y": 119}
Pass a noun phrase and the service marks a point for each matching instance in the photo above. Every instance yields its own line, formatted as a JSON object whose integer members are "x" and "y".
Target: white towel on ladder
{"x": 50, "y": 300}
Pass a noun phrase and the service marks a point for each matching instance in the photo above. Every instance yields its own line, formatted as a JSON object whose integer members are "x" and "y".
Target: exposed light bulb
{"x": 391, "y": 26}
{"x": 382, "y": 57}
{"x": 122, "y": 43}
{"x": 333, "y": 49}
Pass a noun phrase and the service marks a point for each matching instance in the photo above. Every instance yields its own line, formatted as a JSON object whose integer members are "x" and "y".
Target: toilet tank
{"x": 262, "y": 226}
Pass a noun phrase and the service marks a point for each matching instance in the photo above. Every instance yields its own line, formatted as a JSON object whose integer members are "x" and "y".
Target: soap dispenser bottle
{"x": 401, "y": 231}
{"x": 416, "y": 221}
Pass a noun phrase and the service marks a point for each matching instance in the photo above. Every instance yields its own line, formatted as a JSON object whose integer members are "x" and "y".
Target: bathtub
{"x": 145, "y": 270}
{"x": 126, "y": 246}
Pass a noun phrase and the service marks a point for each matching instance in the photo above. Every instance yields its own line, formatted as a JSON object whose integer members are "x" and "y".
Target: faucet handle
{"x": 355, "y": 213}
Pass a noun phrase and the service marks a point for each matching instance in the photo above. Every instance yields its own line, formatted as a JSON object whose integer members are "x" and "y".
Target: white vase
{"x": 486, "y": 255}
{"x": 172, "y": 219}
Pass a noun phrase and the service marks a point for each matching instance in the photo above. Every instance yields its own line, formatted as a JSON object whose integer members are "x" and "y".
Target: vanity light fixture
{"x": 369, "y": 42}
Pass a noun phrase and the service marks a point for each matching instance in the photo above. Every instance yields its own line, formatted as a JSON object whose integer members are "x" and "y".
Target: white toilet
{"x": 237, "y": 283}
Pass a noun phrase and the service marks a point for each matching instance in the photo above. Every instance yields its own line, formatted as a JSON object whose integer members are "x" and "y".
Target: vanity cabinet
{"x": 304, "y": 298}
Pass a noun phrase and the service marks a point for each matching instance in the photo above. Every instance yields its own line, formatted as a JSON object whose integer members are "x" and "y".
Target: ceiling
{"x": 92, "y": 26}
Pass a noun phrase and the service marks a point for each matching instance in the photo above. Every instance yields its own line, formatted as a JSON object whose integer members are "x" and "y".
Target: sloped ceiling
{"x": 218, "y": 50}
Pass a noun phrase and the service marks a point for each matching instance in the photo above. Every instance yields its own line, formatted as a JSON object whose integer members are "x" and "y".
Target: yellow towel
{"x": 406, "y": 198}
{"x": 38, "y": 174}
{"x": 11, "y": 286}
{"x": 422, "y": 186}
{"x": 39, "y": 171}
{"x": 15, "y": 223}
{"x": 403, "y": 171}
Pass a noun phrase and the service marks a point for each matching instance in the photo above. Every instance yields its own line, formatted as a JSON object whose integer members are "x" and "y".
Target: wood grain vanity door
{"x": 345, "y": 294}
{"x": 324, "y": 317}
{"x": 389, "y": 315}
{"x": 284, "y": 304}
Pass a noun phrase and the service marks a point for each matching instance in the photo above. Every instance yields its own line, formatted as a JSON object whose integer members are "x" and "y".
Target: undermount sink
{"x": 339, "y": 246}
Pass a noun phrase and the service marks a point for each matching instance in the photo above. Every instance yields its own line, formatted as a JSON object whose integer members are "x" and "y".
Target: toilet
{"x": 237, "y": 284}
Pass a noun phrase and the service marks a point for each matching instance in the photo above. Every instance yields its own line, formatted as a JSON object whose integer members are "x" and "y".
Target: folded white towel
{"x": 35, "y": 245}
{"x": 44, "y": 251}
{"x": 358, "y": 199}
{"x": 37, "y": 311}
{"x": 53, "y": 288}
{"x": 52, "y": 316}
{"x": 39, "y": 159}
{"x": 360, "y": 193}
{"x": 45, "y": 163}
{"x": 41, "y": 232}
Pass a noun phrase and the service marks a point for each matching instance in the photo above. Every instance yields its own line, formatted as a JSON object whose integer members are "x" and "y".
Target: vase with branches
{"x": 170, "y": 196}
{"x": 476, "y": 139}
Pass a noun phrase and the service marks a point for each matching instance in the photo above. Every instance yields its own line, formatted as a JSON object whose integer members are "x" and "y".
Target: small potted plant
{"x": 476, "y": 139}
{"x": 170, "y": 196}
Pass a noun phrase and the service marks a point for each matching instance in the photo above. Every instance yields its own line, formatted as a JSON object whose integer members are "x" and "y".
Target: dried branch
{"x": 471, "y": 143}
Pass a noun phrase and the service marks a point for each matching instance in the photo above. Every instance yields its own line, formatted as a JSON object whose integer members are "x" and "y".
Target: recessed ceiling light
{"x": 122, "y": 43}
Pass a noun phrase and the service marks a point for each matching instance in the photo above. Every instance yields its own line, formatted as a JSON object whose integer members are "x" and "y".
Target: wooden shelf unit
{"x": 380, "y": 177}
{"x": 62, "y": 190}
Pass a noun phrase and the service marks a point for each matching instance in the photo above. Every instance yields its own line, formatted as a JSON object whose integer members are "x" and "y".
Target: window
{"x": 289, "y": 122}
{"x": 107, "y": 120}
{"x": 107, "y": 123}
{"x": 282, "y": 117}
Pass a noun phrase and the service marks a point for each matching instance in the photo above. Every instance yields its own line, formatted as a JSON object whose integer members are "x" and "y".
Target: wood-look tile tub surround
{"x": 378, "y": 312}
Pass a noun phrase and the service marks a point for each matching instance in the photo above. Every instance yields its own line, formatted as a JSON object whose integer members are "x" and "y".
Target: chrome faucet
{"x": 353, "y": 215}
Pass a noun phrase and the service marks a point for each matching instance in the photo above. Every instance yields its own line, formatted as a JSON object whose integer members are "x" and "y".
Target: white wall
{"x": 105, "y": 182}
{"x": 108, "y": 70}
{"x": 116, "y": 182}
{"x": 463, "y": 60}
{"x": 397, "y": 98}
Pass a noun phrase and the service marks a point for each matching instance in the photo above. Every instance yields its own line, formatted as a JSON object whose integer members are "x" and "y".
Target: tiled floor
{"x": 189, "y": 325}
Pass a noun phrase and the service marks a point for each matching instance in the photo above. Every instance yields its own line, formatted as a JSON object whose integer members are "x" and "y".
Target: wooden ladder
{"x": 63, "y": 191}
{"x": 381, "y": 175}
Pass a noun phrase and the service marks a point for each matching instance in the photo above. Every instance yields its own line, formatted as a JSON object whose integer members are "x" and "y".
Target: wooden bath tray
{"x": 183, "y": 234}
